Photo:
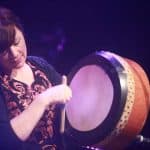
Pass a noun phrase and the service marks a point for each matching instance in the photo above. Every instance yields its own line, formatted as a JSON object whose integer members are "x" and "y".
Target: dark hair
{"x": 8, "y": 22}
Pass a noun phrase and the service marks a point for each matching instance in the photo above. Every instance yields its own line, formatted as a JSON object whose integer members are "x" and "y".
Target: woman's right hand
{"x": 57, "y": 94}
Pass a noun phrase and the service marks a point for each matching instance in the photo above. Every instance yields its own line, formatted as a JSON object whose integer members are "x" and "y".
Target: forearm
{"x": 24, "y": 123}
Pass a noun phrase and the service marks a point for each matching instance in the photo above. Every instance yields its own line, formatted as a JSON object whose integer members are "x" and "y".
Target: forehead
{"x": 7, "y": 36}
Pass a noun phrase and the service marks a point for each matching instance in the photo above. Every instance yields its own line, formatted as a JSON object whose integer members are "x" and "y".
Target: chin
{"x": 19, "y": 65}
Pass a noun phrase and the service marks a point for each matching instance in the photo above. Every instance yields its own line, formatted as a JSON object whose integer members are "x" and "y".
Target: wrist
{"x": 41, "y": 102}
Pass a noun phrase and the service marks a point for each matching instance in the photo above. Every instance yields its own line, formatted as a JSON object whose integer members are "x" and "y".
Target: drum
{"x": 110, "y": 103}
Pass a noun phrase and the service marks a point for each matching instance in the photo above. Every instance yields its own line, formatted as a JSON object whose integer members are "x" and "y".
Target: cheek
{"x": 23, "y": 50}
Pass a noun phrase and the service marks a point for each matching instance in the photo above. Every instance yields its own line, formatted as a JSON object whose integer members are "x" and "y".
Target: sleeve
{"x": 49, "y": 70}
{"x": 8, "y": 139}
{"x": 54, "y": 76}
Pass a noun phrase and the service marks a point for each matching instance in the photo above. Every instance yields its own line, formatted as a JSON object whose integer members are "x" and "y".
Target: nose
{"x": 13, "y": 51}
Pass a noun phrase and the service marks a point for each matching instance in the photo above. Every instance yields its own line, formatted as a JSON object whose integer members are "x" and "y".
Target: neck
{"x": 23, "y": 74}
{"x": 18, "y": 71}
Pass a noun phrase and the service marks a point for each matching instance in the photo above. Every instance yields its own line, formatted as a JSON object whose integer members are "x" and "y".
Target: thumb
{"x": 64, "y": 79}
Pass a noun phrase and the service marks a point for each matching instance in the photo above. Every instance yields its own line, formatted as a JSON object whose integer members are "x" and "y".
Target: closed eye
{"x": 16, "y": 42}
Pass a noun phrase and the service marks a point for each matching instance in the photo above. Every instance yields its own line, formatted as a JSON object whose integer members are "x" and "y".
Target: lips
{"x": 16, "y": 61}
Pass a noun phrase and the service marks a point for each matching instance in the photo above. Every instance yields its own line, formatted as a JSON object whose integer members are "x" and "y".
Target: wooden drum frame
{"x": 110, "y": 103}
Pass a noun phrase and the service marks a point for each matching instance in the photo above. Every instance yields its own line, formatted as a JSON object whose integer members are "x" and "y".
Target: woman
{"x": 30, "y": 93}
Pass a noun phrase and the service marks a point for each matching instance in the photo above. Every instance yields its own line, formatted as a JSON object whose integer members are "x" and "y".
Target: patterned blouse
{"x": 19, "y": 95}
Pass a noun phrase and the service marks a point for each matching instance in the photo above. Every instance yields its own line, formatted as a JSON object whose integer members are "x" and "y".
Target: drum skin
{"x": 119, "y": 101}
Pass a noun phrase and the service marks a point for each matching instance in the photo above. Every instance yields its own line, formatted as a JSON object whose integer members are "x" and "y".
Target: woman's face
{"x": 15, "y": 56}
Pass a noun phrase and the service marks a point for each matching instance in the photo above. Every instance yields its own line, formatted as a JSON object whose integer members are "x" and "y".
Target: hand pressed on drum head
{"x": 57, "y": 94}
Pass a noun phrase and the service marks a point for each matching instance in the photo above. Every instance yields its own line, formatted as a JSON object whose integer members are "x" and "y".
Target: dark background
{"x": 78, "y": 28}
{"x": 115, "y": 25}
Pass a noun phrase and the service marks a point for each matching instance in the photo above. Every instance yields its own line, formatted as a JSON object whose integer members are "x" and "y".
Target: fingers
{"x": 61, "y": 93}
{"x": 64, "y": 79}
{"x": 67, "y": 93}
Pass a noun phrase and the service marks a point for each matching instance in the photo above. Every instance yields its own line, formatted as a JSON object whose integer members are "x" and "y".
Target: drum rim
{"x": 120, "y": 92}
